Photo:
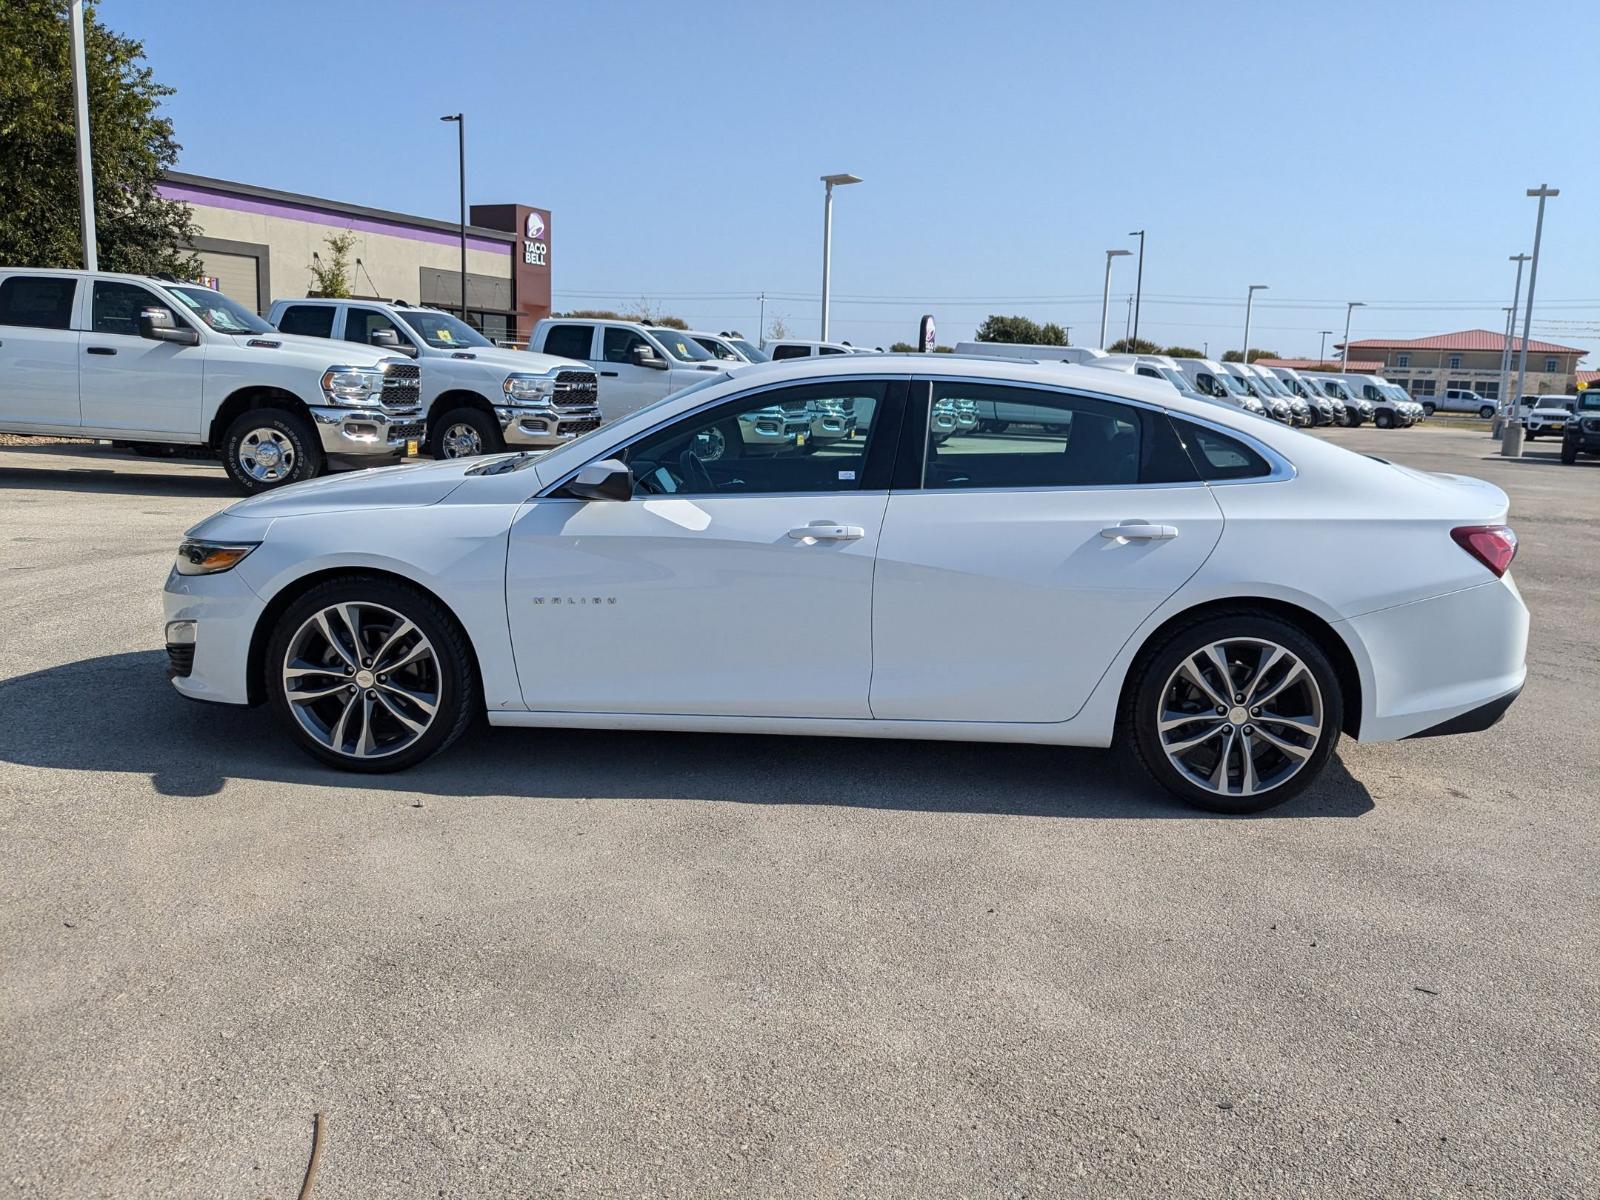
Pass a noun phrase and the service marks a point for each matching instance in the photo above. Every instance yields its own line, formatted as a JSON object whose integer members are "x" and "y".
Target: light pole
{"x": 1249, "y": 301}
{"x": 80, "y": 107}
{"x": 1322, "y": 350}
{"x": 1508, "y": 403}
{"x": 1511, "y": 443}
{"x": 1105, "y": 296}
{"x": 1138, "y": 286}
{"x": 460, "y": 120}
{"x": 827, "y": 236}
{"x": 1344, "y": 358}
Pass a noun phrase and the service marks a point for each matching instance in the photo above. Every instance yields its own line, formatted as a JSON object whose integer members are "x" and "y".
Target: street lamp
{"x": 1138, "y": 287}
{"x": 1322, "y": 350}
{"x": 1344, "y": 359}
{"x": 461, "y": 152}
{"x": 1105, "y": 298}
{"x": 80, "y": 110}
{"x": 1508, "y": 403}
{"x": 1511, "y": 443}
{"x": 1249, "y": 301}
{"x": 827, "y": 236}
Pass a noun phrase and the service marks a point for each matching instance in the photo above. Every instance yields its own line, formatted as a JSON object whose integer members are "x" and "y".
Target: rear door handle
{"x": 827, "y": 531}
{"x": 101, "y": 350}
{"x": 1139, "y": 531}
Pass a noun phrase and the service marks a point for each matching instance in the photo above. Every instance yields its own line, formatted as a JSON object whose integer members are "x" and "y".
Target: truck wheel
{"x": 464, "y": 433}
{"x": 1569, "y": 452}
{"x": 267, "y": 448}
{"x": 1486, "y": 412}
{"x": 1427, "y": 410}
{"x": 1531, "y": 433}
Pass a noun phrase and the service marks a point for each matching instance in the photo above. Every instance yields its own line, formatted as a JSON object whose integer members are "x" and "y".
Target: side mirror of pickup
{"x": 157, "y": 325}
{"x": 608, "y": 479}
{"x": 387, "y": 338}
{"x": 643, "y": 356}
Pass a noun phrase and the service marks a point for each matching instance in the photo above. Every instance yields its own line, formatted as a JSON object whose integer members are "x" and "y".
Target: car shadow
{"x": 94, "y": 469}
{"x": 1540, "y": 457}
{"x": 118, "y": 713}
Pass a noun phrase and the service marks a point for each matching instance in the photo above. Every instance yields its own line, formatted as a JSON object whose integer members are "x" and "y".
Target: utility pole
{"x": 1506, "y": 410}
{"x": 461, "y": 154}
{"x": 1138, "y": 286}
{"x": 1511, "y": 444}
{"x": 1344, "y": 358}
{"x": 1249, "y": 302}
{"x": 80, "y": 106}
{"x": 1322, "y": 350}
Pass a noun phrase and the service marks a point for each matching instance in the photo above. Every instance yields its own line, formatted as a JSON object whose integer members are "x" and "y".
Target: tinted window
{"x": 810, "y": 438}
{"x": 37, "y": 301}
{"x": 991, "y": 436}
{"x": 1217, "y": 456}
{"x": 619, "y": 344}
{"x": 117, "y": 305}
{"x": 361, "y": 323}
{"x": 308, "y": 320}
{"x": 830, "y": 350}
{"x": 569, "y": 341}
{"x": 782, "y": 352}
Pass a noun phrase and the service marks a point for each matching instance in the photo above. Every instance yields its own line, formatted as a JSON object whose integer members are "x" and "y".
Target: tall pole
{"x": 461, "y": 154}
{"x": 1127, "y": 327}
{"x": 80, "y": 105}
{"x": 1344, "y": 358}
{"x": 761, "y": 323}
{"x": 1105, "y": 295}
{"x": 1322, "y": 350}
{"x": 1249, "y": 302}
{"x": 827, "y": 250}
{"x": 1511, "y": 445}
{"x": 1506, "y": 409}
{"x": 1138, "y": 286}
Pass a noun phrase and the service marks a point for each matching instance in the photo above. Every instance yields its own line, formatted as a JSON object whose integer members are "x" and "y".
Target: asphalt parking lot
{"x": 597, "y": 964}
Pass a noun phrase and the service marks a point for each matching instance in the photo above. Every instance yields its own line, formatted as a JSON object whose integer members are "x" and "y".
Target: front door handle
{"x": 1139, "y": 531}
{"x": 101, "y": 350}
{"x": 609, "y": 374}
{"x": 827, "y": 531}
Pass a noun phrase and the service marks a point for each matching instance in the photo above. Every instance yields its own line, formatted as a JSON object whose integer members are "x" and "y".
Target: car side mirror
{"x": 157, "y": 325}
{"x": 643, "y": 356}
{"x": 387, "y": 338}
{"x": 608, "y": 479}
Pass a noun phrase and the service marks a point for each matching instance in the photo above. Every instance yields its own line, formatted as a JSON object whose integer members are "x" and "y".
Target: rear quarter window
{"x": 37, "y": 301}
{"x": 308, "y": 320}
{"x": 1218, "y": 457}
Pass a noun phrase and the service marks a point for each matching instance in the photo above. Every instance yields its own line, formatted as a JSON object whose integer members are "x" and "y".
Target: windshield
{"x": 1275, "y": 385}
{"x": 1395, "y": 392}
{"x": 217, "y": 311}
{"x": 1176, "y": 378}
{"x": 749, "y": 351}
{"x": 442, "y": 331}
{"x": 681, "y": 346}
{"x": 1232, "y": 383}
{"x": 1589, "y": 399}
{"x": 718, "y": 348}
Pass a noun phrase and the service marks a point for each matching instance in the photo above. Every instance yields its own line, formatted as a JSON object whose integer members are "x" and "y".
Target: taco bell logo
{"x": 535, "y": 227}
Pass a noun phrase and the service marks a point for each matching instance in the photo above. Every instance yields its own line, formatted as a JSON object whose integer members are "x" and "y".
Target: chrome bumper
{"x": 545, "y": 426}
{"x": 366, "y": 433}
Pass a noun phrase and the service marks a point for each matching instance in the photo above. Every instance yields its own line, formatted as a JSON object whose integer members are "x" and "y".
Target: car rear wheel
{"x": 464, "y": 433}
{"x": 270, "y": 447}
{"x": 1235, "y": 713}
{"x": 1487, "y": 412}
{"x": 371, "y": 675}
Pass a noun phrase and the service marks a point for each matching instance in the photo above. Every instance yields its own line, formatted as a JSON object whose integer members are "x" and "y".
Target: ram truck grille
{"x": 402, "y": 386}
{"x": 577, "y": 389}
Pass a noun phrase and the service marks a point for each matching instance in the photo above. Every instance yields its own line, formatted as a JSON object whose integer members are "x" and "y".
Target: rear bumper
{"x": 1475, "y": 720}
{"x": 1436, "y": 661}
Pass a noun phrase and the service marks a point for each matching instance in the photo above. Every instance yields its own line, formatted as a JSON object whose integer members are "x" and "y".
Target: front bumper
{"x": 225, "y": 611}
{"x": 521, "y": 426}
{"x": 1432, "y": 661}
{"x": 366, "y": 432}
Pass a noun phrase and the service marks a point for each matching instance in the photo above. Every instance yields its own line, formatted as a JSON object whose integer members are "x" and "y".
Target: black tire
{"x": 1427, "y": 410}
{"x": 1486, "y": 412}
{"x": 1530, "y": 434}
{"x": 441, "y": 440}
{"x": 242, "y": 446}
{"x": 1383, "y": 419}
{"x": 1569, "y": 453}
{"x": 459, "y": 690}
{"x": 1143, "y": 702}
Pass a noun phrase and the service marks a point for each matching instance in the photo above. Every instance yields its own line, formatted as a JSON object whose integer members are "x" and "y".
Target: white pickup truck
{"x": 480, "y": 398}
{"x": 156, "y": 363}
{"x": 637, "y": 364}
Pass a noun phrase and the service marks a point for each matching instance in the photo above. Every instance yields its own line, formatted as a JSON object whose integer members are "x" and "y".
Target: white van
{"x": 1210, "y": 379}
{"x": 1069, "y": 354}
{"x": 1160, "y": 366}
{"x": 784, "y": 348}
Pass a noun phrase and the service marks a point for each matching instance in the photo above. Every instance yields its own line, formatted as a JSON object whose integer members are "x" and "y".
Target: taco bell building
{"x": 258, "y": 244}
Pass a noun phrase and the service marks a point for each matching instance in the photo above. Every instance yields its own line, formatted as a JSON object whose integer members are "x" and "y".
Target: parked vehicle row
{"x": 1546, "y": 414}
{"x": 1582, "y": 432}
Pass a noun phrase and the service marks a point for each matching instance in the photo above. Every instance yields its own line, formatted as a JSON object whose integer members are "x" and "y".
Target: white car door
{"x": 128, "y": 382}
{"x": 38, "y": 352}
{"x": 625, "y": 386}
{"x": 736, "y": 581}
{"x": 1009, "y": 579}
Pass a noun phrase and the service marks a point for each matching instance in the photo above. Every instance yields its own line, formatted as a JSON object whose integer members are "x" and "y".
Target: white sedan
{"x": 1101, "y": 560}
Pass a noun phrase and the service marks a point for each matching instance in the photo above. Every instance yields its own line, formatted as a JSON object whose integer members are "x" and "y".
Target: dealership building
{"x": 1469, "y": 359}
{"x": 258, "y": 244}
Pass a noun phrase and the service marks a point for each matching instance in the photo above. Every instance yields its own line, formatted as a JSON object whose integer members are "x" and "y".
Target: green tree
{"x": 136, "y": 229}
{"x": 330, "y": 277}
{"x": 1133, "y": 346}
{"x": 1183, "y": 352}
{"x": 902, "y": 348}
{"x": 1235, "y": 356}
{"x": 1018, "y": 331}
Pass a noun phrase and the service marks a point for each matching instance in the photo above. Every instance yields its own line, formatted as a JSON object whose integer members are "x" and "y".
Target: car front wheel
{"x": 1235, "y": 713}
{"x": 270, "y": 447}
{"x": 1383, "y": 421}
{"x": 370, "y": 674}
{"x": 464, "y": 433}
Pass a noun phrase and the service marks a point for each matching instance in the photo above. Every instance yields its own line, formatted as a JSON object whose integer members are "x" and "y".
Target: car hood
{"x": 410, "y": 485}
{"x": 506, "y": 360}
{"x": 326, "y": 352}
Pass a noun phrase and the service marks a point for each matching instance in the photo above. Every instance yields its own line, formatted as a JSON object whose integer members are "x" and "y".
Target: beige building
{"x": 258, "y": 244}
{"x": 1470, "y": 359}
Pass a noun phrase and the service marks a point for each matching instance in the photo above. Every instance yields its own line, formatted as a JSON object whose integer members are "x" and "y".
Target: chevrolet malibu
{"x": 1223, "y": 596}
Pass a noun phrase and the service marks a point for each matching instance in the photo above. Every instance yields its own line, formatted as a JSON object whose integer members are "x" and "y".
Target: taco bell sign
{"x": 535, "y": 250}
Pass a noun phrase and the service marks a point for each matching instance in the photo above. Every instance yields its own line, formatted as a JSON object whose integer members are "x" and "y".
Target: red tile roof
{"x": 1589, "y": 377}
{"x": 1313, "y": 364}
{"x": 1466, "y": 339}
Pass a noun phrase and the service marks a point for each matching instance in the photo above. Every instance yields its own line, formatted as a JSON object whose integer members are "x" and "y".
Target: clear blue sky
{"x": 1362, "y": 151}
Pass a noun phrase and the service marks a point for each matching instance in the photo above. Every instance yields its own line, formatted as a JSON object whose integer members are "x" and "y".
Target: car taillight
{"x": 1492, "y": 545}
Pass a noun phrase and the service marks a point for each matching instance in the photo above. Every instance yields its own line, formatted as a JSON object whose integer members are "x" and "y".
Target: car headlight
{"x": 353, "y": 385}
{"x": 196, "y": 557}
{"x": 534, "y": 391}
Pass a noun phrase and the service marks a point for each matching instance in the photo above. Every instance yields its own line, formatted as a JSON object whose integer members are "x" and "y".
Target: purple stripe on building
{"x": 212, "y": 198}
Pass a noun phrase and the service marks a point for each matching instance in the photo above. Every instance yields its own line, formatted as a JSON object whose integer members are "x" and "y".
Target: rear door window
{"x": 37, "y": 301}
{"x": 782, "y": 352}
{"x": 308, "y": 320}
{"x": 570, "y": 341}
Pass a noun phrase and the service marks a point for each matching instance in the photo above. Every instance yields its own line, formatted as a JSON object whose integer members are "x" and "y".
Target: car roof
{"x": 79, "y": 273}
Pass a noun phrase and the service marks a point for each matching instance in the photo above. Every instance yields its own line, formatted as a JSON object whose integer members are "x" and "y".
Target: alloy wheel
{"x": 267, "y": 455}
{"x": 1240, "y": 717}
{"x": 362, "y": 680}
